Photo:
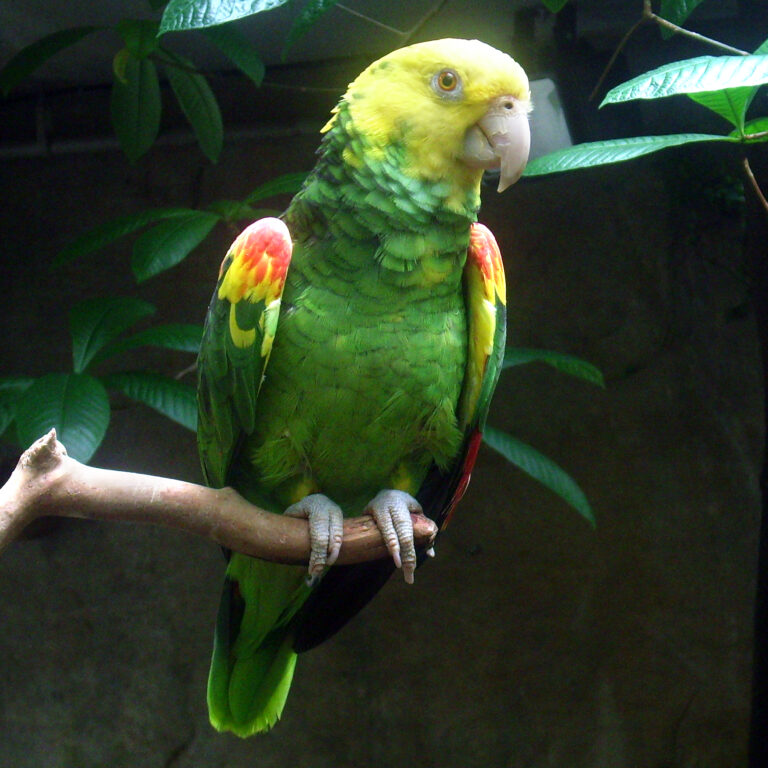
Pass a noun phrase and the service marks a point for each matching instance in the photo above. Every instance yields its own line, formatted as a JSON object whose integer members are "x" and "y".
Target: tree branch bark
{"x": 47, "y": 481}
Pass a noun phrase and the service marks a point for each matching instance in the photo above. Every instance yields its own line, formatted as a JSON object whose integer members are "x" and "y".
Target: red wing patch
{"x": 484, "y": 253}
{"x": 257, "y": 263}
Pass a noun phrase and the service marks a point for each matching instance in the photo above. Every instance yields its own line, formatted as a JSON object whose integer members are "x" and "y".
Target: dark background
{"x": 531, "y": 640}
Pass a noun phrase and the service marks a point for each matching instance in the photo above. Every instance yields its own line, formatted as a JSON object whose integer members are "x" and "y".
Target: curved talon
{"x": 326, "y": 530}
{"x": 391, "y": 511}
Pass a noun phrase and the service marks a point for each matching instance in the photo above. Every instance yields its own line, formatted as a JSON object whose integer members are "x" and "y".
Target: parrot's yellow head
{"x": 457, "y": 107}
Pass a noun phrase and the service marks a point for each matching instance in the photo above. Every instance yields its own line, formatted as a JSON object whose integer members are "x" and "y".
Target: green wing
{"x": 237, "y": 341}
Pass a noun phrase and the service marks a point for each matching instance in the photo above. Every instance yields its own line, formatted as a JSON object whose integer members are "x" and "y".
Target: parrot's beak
{"x": 500, "y": 140}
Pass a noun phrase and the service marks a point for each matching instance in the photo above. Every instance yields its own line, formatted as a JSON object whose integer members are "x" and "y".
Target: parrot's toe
{"x": 392, "y": 512}
{"x": 326, "y": 530}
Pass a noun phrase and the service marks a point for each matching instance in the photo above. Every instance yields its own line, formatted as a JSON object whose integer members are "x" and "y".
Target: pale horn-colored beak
{"x": 500, "y": 140}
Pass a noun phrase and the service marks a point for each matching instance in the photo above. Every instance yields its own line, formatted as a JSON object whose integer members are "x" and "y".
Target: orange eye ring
{"x": 447, "y": 81}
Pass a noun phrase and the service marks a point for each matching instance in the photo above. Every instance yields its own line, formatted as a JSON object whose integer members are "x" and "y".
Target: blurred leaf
{"x": 136, "y": 106}
{"x": 11, "y": 389}
{"x": 288, "y": 183}
{"x": 181, "y": 337}
{"x": 28, "y": 59}
{"x": 139, "y": 35}
{"x": 540, "y": 468}
{"x": 238, "y": 49}
{"x": 554, "y": 5}
{"x": 704, "y": 73}
{"x": 234, "y": 210}
{"x": 94, "y": 323}
{"x": 312, "y": 11}
{"x": 611, "y": 151}
{"x": 103, "y": 234}
{"x": 74, "y": 403}
{"x": 569, "y": 364}
{"x": 192, "y": 14}
{"x": 676, "y": 11}
{"x": 198, "y": 103}
{"x": 173, "y": 399}
{"x": 170, "y": 241}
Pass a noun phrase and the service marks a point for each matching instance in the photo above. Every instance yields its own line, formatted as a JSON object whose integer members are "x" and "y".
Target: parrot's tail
{"x": 251, "y": 670}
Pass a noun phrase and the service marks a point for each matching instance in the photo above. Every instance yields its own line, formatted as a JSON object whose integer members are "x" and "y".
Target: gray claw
{"x": 392, "y": 512}
{"x": 326, "y": 531}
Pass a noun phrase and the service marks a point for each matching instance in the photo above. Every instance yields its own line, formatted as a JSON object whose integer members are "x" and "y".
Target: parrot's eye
{"x": 447, "y": 83}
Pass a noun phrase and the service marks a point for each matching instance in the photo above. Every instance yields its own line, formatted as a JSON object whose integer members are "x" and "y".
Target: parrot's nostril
{"x": 508, "y": 105}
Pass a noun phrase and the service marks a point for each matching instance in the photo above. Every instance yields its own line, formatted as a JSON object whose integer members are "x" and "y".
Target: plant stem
{"x": 755, "y": 186}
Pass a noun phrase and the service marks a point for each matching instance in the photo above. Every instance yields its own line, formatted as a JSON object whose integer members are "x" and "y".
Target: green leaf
{"x": 193, "y": 14}
{"x": 173, "y": 399}
{"x": 28, "y": 59}
{"x": 554, "y": 5}
{"x": 139, "y": 35}
{"x": 757, "y": 126}
{"x": 288, "y": 183}
{"x": 170, "y": 241}
{"x": 136, "y": 106}
{"x": 540, "y": 468}
{"x": 75, "y": 404}
{"x": 704, "y": 73}
{"x": 94, "y": 323}
{"x": 181, "y": 337}
{"x": 238, "y": 49}
{"x": 569, "y": 364}
{"x": 312, "y": 11}
{"x": 198, "y": 103}
{"x": 596, "y": 153}
{"x": 676, "y": 11}
{"x": 11, "y": 389}
{"x": 729, "y": 103}
{"x": 106, "y": 233}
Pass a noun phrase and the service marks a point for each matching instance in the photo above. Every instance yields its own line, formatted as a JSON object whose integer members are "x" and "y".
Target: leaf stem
{"x": 371, "y": 21}
{"x": 753, "y": 182}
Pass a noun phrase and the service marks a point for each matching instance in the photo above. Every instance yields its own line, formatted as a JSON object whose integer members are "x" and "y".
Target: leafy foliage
{"x": 540, "y": 468}
{"x": 191, "y": 14}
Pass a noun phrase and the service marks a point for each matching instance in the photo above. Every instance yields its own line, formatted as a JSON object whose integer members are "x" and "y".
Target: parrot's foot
{"x": 326, "y": 530}
{"x": 392, "y": 512}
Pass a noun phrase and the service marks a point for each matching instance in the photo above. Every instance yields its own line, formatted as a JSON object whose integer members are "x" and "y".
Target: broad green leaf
{"x": 106, "y": 233}
{"x": 94, "y": 323}
{"x": 11, "y": 389}
{"x": 238, "y": 49}
{"x": 676, "y": 11}
{"x": 139, "y": 35}
{"x": 75, "y": 404}
{"x": 288, "y": 183}
{"x": 28, "y": 59}
{"x": 309, "y": 15}
{"x": 181, "y": 337}
{"x": 611, "y": 151}
{"x": 192, "y": 14}
{"x": 170, "y": 241}
{"x": 136, "y": 106}
{"x": 540, "y": 468}
{"x": 198, "y": 103}
{"x": 704, "y": 73}
{"x": 755, "y": 128}
{"x": 554, "y": 5}
{"x": 173, "y": 399}
{"x": 729, "y": 103}
{"x": 569, "y": 364}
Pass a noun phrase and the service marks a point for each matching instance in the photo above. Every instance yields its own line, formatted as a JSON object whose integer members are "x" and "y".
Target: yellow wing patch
{"x": 254, "y": 271}
{"x": 486, "y": 296}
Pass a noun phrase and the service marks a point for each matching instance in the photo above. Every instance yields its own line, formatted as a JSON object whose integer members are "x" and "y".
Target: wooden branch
{"x": 47, "y": 481}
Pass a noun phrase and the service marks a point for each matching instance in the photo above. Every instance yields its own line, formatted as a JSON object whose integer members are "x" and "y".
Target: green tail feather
{"x": 253, "y": 658}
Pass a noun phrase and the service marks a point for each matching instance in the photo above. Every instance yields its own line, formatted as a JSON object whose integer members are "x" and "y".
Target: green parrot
{"x": 351, "y": 349}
